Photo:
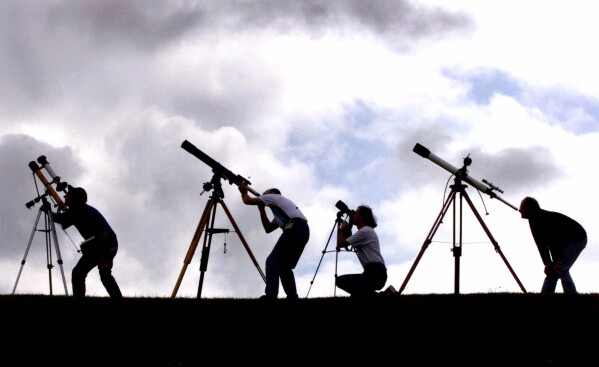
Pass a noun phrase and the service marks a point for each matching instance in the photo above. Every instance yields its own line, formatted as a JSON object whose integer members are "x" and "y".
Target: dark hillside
{"x": 478, "y": 329}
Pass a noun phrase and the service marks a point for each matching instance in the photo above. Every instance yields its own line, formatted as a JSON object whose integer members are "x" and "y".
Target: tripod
{"x": 50, "y": 231}
{"x": 336, "y": 225}
{"x": 457, "y": 188}
{"x": 209, "y": 214}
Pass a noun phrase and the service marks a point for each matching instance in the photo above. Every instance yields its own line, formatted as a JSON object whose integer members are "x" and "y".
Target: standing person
{"x": 100, "y": 245}
{"x": 365, "y": 243}
{"x": 290, "y": 245}
{"x": 560, "y": 240}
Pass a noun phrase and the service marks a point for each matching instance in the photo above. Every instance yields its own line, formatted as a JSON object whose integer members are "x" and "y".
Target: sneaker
{"x": 390, "y": 290}
{"x": 267, "y": 298}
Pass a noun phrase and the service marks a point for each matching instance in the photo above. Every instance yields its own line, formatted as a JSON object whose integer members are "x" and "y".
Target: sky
{"x": 324, "y": 101}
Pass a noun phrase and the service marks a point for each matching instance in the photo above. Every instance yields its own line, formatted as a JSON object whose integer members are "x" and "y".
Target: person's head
{"x": 529, "y": 207}
{"x": 272, "y": 191}
{"x": 365, "y": 216}
{"x": 75, "y": 196}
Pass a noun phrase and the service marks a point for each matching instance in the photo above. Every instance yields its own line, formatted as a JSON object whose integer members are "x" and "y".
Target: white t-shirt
{"x": 282, "y": 208}
{"x": 366, "y": 243}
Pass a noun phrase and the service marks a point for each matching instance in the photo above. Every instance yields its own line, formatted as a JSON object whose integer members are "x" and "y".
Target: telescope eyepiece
{"x": 61, "y": 186}
{"x": 34, "y": 167}
{"x": 42, "y": 160}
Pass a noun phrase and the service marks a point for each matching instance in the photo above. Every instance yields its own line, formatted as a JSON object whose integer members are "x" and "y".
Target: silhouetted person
{"x": 560, "y": 240}
{"x": 101, "y": 248}
{"x": 290, "y": 245}
{"x": 365, "y": 243}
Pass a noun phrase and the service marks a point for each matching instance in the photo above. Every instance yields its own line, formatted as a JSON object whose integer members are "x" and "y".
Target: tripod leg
{"x": 39, "y": 213}
{"x": 243, "y": 241}
{"x": 57, "y": 250}
{"x": 335, "y": 225}
{"x": 429, "y": 238}
{"x": 336, "y": 272}
{"x": 210, "y": 209}
{"x": 206, "y": 250}
{"x": 495, "y": 244}
{"x": 194, "y": 244}
{"x": 48, "y": 238}
{"x": 457, "y": 246}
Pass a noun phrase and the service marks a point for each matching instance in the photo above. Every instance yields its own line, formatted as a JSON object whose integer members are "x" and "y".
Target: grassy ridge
{"x": 478, "y": 329}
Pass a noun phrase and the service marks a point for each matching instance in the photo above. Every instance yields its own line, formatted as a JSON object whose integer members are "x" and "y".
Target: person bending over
{"x": 560, "y": 240}
{"x": 290, "y": 245}
{"x": 101, "y": 243}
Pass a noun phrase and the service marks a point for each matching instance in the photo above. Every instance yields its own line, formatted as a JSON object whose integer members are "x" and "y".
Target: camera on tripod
{"x": 344, "y": 209}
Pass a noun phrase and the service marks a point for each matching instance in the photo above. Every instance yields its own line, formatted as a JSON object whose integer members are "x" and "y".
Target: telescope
{"x": 48, "y": 185}
{"x": 60, "y": 186}
{"x": 218, "y": 169}
{"x": 343, "y": 208}
{"x": 462, "y": 173}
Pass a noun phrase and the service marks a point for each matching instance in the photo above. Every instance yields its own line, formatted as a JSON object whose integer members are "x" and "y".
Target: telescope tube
{"x": 459, "y": 173}
{"x": 46, "y": 165}
{"x": 36, "y": 169}
{"x": 217, "y": 168}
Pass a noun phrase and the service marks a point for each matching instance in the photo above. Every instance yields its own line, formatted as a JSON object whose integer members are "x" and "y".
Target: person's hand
{"x": 549, "y": 269}
{"x": 243, "y": 188}
{"x": 346, "y": 247}
{"x": 345, "y": 228}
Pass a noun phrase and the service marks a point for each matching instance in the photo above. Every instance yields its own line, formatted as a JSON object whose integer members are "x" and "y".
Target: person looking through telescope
{"x": 101, "y": 243}
{"x": 365, "y": 242}
{"x": 560, "y": 240}
{"x": 290, "y": 245}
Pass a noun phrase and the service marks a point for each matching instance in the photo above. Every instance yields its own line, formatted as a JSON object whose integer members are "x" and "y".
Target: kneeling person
{"x": 365, "y": 243}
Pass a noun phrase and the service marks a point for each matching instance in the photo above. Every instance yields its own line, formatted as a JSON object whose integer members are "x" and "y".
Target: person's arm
{"x": 538, "y": 228}
{"x": 545, "y": 254}
{"x": 343, "y": 234}
{"x": 541, "y": 241}
{"x": 545, "y": 257}
{"x": 269, "y": 225}
{"x": 247, "y": 199}
{"x": 62, "y": 218}
{"x": 102, "y": 236}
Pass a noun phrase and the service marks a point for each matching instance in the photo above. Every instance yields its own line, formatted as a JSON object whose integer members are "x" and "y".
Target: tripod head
{"x": 45, "y": 204}
{"x": 215, "y": 184}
